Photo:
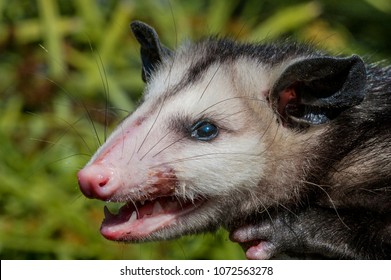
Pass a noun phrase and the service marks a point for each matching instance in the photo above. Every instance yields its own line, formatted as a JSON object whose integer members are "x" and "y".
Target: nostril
{"x": 103, "y": 182}
{"x": 95, "y": 181}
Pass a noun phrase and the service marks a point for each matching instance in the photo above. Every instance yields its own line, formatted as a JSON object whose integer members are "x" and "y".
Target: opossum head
{"x": 222, "y": 131}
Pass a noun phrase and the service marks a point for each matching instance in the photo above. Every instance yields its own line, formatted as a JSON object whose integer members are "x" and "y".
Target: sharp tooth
{"x": 142, "y": 202}
{"x": 157, "y": 208}
{"x": 133, "y": 217}
{"x": 107, "y": 213}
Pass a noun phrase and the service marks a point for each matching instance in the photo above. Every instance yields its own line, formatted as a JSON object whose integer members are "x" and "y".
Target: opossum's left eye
{"x": 204, "y": 130}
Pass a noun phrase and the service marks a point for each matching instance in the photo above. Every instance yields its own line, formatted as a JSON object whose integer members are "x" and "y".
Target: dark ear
{"x": 316, "y": 90}
{"x": 152, "y": 52}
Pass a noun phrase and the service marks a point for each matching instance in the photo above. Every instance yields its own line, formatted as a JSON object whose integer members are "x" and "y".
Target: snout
{"x": 97, "y": 181}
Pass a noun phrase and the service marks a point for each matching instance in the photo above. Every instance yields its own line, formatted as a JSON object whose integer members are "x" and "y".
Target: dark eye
{"x": 204, "y": 130}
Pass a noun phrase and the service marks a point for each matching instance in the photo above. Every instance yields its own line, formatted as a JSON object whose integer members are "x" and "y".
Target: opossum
{"x": 285, "y": 146}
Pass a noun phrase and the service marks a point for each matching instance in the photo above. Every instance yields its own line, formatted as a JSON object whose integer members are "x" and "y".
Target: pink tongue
{"x": 134, "y": 224}
{"x": 129, "y": 209}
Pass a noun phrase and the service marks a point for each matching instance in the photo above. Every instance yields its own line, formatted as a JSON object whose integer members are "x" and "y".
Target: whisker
{"x": 210, "y": 81}
{"x": 82, "y": 104}
{"x": 78, "y": 133}
{"x": 179, "y": 202}
{"x": 176, "y": 141}
{"x": 259, "y": 201}
{"x": 120, "y": 110}
{"x": 135, "y": 207}
{"x": 71, "y": 126}
{"x": 71, "y": 156}
{"x": 168, "y": 78}
{"x": 229, "y": 99}
{"x": 134, "y": 151}
{"x": 218, "y": 67}
{"x": 105, "y": 84}
{"x": 174, "y": 24}
{"x": 154, "y": 145}
{"x": 198, "y": 157}
{"x": 267, "y": 129}
{"x": 153, "y": 124}
{"x": 287, "y": 209}
{"x": 123, "y": 141}
{"x": 226, "y": 116}
{"x": 330, "y": 199}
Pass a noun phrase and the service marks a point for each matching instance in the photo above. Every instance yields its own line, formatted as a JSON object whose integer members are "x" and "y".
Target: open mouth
{"x": 136, "y": 221}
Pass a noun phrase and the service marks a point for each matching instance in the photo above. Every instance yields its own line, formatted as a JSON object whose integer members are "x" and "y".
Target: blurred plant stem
{"x": 52, "y": 36}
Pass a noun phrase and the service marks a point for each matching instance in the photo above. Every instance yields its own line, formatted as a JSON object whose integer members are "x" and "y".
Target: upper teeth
{"x": 157, "y": 208}
{"x": 133, "y": 217}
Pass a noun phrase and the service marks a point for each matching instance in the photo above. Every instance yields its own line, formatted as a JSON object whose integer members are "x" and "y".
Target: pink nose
{"x": 96, "y": 181}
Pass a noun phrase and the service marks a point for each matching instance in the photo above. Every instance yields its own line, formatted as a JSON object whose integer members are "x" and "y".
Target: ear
{"x": 152, "y": 52}
{"x": 316, "y": 90}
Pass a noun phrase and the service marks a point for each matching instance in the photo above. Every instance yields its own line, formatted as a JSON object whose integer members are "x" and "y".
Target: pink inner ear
{"x": 286, "y": 96}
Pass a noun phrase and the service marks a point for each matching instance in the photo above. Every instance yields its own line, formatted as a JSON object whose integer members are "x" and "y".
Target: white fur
{"x": 251, "y": 147}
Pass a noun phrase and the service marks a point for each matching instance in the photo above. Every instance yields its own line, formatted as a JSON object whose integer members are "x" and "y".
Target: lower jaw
{"x": 150, "y": 228}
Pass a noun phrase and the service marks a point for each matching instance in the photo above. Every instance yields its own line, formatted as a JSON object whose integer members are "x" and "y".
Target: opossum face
{"x": 206, "y": 143}
{"x": 177, "y": 159}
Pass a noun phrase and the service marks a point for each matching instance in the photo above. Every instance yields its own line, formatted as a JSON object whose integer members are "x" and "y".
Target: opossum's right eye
{"x": 204, "y": 130}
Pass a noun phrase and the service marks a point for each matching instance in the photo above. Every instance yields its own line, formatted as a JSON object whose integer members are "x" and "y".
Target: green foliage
{"x": 70, "y": 70}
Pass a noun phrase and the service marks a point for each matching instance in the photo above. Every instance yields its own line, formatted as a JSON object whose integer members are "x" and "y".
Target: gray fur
{"x": 315, "y": 178}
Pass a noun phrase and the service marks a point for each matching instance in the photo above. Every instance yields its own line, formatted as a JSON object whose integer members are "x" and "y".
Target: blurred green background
{"x": 70, "y": 70}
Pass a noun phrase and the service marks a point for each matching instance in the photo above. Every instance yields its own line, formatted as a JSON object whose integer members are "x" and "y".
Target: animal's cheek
{"x": 220, "y": 172}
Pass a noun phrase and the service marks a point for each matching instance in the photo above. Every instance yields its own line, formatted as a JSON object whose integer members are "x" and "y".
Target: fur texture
{"x": 258, "y": 138}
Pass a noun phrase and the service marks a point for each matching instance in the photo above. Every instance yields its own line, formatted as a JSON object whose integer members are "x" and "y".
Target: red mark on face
{"x": 139, "y": 121}
{"x": 161, "y": 183}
